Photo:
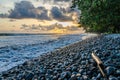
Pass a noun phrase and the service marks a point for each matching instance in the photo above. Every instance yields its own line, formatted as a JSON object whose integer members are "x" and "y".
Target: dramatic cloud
{"x": 41, "y": 13}
{"x": 25, "y": 9}
{"x": 22, "y": 9}
{"x": 58, "y": 14}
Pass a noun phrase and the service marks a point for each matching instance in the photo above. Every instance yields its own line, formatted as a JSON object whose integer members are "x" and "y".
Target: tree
{"x": 99, "y": 15}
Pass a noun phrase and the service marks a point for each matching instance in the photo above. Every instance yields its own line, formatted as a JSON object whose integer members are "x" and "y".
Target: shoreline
{"x": 72, "y": 62}
{"x": 22, "y": 48}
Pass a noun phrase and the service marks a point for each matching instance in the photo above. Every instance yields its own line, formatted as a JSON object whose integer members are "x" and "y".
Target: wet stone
{"x": 74, "y": 68}
{"x": 112, "y": 78}
{"x": 85, "y": 77}
{"x": 0, "y": 78}
{"x": 63, "y": 75}
{"x": 73, "y": 77}
{"x": 29, "y": 76}
{"x": 42, "y": 71}
{"x": 78, "y": 74}
{"x": 98, "y": 76}
{"x": 49, "y": 71}
{"x": 54, "y": 78}
{"x": 118, "y": 72}
{"x": 110, "y": 70}
{"x": 81, "y": 71}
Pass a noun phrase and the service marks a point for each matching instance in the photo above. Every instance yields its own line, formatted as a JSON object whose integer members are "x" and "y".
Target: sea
{"x": 15, "y": 49}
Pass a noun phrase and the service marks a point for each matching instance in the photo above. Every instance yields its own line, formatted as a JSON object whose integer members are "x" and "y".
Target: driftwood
{"x": 99, "y": 64}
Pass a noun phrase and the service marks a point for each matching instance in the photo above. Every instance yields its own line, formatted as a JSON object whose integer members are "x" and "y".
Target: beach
{"x": 72, "y": 62}
{"x": 15, "y": 49}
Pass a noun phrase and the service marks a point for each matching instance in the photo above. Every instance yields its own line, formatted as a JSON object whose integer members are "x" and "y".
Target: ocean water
{"x": 16, "y": 49}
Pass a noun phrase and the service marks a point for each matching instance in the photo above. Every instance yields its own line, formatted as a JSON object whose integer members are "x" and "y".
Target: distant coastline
{"x": 24, "y": 34}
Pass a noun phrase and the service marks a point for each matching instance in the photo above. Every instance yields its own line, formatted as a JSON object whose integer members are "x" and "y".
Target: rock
{"x": 83, "y": 62}
{"x": 118, "y": 72}
{"x": 58, "y": 70}
{"x": 54, "y": 78}
{"x": 54, "y": 63}
{"x": 5, "y": 75}
{"x": 29, "y": 76}
{"x": 42, "y": 71}
{"x": 98, "y": 76}
{"x": 77, "y": 56}
{"x": 49, "y": 71}
{"x": 81, "y": 71}
{"x": 110, "y": 70}
{"x": 0, "y": 78}
{"x": 55, "y": 72}
{"x": 68, "y": 69}
{"x": 78, "y": 74}
{"x": 19, "y": 76}
{"x": 74, "y": 68}
{"x": 60, "y": 79}
{"x": 65, "y": 75}
{"x": 59, "y": 65}
{"x": 85, "y": 77}
{"x": 74, "y": 72}
{"x": 42, "y": 77}
{"x": 93, "y": 78}
{"x": 112, "y": 78}
{"x": 66, "y": 63}
{"x": 118, "y": 78}
{"x": 68, "y": 74}
{"x": 25, "y": 63}
{"x": 73, "y": 77}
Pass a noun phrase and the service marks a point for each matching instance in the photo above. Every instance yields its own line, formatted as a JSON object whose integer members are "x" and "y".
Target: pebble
{"x": 78, "y": 74}
{"x": 110, "y": 70}
{"x": 63, "y": 75}
{"x": 29, "y": 76}
{"x": 73, "y": 62}
{"x": 112, "y": 78}
{"x": 73, "y": 77}
{"x": 74, "y": 68}
{"x": 118, "y": 72}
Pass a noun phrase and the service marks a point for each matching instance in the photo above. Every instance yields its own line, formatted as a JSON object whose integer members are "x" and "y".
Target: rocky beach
{"x": 73, "y": 62}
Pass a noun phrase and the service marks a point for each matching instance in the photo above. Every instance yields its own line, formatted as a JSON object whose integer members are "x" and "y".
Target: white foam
{"x": 10, "y": 57}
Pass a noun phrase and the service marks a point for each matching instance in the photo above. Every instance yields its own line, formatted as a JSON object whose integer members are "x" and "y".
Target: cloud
{"x": 47, "y": 28}
{"x": 22, "y": 9}
{"x": 42, "y": 13}
{"x": 58, "y": 14}
{"x": 62, "y": 0}
{"x": 3, "y": 15}
{"x": 26, "y": 9}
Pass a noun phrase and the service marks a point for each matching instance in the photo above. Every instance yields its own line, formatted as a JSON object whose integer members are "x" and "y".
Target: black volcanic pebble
{"x": 110, "y": 70}
{"x": 29, "y": 76}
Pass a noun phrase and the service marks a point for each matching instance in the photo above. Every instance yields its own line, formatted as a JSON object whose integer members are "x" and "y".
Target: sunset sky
{"x": 37, "y": 16}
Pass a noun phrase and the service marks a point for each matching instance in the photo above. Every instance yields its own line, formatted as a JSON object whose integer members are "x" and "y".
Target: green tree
{"x": 99, "y": 15}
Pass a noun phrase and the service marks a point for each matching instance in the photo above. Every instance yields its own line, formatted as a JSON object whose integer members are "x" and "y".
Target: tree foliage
{"x": 99, "y": 15}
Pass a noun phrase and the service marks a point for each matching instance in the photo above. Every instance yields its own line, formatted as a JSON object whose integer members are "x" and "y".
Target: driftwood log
{"x": 99, "y": 64}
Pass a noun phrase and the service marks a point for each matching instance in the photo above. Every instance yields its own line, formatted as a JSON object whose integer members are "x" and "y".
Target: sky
{"x": 37, "y": 16}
